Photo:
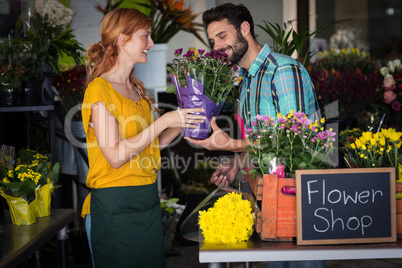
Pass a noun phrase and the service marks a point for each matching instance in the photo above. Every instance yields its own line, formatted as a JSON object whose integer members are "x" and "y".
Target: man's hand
{"x": 225, "y": 173}
{"x": 219, "y": 140}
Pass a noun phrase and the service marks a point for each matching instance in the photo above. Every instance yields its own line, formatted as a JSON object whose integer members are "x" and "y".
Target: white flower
{"x": 388, "y": 76}
{"x": 397, "y": 63}
{"x": 384, "y": 71}
{"x": 54, "y": 13}
{"x": 391, "y": 66}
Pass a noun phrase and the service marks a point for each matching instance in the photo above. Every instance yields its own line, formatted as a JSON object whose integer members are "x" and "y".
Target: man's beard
{"x": 240, "y": 48}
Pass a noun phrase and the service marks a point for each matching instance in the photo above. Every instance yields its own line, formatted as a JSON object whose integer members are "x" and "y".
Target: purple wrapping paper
{"x": 193, "y": 96}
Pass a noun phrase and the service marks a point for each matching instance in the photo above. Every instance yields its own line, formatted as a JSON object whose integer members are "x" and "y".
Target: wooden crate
{"x": 277, "y": 219}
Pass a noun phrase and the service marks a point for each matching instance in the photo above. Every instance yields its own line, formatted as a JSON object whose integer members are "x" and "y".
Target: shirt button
{"x": 248, "y": 90}
{"x": 249, "y": 112}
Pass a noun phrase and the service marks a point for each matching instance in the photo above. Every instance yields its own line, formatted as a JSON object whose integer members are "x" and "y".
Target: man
{"x": 272, "y": 83}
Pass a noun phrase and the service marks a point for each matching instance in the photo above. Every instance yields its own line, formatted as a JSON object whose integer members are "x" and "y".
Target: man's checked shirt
{"x": 276, "y": 83}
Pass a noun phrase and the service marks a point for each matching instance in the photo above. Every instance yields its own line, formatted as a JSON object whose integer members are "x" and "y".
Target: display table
{"x": 256, "y": 250}
{"x": 17, "y": 242}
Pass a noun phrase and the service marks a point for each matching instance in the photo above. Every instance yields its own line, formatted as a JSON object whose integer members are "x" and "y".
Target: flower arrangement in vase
{"x": 288, "y": 142}
{"x": 201, "y": 81}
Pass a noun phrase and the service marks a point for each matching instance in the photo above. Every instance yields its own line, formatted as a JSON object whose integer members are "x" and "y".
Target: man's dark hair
{"x": 233, "y": 13}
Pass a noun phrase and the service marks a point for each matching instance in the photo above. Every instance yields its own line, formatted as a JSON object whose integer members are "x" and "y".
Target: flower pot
{"x": 44, "y": 197}
{"x": 9, "y": 97}
{"x": 32, "y": 92}
{"x": 153, "y": 73}
{"x": 22, "y": 211}
{"x": 193, "y": 96}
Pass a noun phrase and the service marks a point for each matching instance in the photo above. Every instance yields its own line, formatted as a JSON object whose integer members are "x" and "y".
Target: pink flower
{"x": 389, "y": 96}
{"x": 260, "y": 117}
{"x": 389, "y": 83}
{"x": 396, "y": 105}
{"x": 254, "y": 123}
{"x": 305, "y": 121}
{"x": 281, "y": 120}
{"x": 299, "y": 114}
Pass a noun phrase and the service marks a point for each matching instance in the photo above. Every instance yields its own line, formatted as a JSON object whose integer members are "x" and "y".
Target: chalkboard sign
{"x": 339, "y": 206}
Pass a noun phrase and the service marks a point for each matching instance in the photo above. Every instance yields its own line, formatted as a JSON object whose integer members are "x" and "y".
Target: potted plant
{"x": 52, "y": 19}
{"x": 29, "y": 54}
{"x": 279, "y": 147}
{"x": 292, "y": 141}
{"x": 201, "y": 81}
{"x": 10, "y": 85}
{"x": 27, "y": 188}
{"x": 169, "y": 17}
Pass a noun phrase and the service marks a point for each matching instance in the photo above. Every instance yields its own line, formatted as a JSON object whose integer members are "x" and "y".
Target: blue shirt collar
{"x": 258, "y": 61}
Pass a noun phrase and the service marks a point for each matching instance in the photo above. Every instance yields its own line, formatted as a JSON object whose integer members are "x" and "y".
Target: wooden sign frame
{"x": 392, "y": 194}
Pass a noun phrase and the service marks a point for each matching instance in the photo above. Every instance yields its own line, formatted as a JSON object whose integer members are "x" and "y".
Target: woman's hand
{"x": 183, "y": 118}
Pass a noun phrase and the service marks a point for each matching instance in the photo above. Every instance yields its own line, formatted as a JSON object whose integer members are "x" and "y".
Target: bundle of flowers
{"x": 33, "y": 170}
{"x": 293, "y": 140}
{"x": 230, "y": 220}
{"x": 369, "y": 149}
{"x": 54, "y": 16}
{"x": 390, "y": 93}
{"x": 349, "y": 77}
{"x": 201, "y": 81}
{"x": 70, "y": 87}
{"x": 27, "y": 188}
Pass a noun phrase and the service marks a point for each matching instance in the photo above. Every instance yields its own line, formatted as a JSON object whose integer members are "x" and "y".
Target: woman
{"x": 123, "y": 214}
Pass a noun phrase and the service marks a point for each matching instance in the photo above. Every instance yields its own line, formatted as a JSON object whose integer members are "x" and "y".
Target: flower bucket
{"x": 22, "y": 211}
{"x": 192, "y": 96}
{"x": 44, "y": 198}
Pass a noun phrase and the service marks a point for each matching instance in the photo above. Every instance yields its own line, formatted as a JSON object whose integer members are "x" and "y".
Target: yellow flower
{"x": 230, "y": 220}
{"x": 382, "y": 140}
{"x": 5, "y": 180}
{"x": 358, "y": 143}
{"x": 366, "y": 136}
{"x": 322, "y": 120}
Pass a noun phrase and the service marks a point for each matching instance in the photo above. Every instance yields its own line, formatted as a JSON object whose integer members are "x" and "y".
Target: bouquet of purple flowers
{"x": 201, "y": 81}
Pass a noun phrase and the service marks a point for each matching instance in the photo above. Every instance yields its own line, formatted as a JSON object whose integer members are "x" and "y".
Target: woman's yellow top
{"x": 132, "y": 117}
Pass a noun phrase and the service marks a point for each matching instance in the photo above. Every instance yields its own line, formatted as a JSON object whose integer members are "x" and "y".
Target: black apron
{"x": 126, "y": 227}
